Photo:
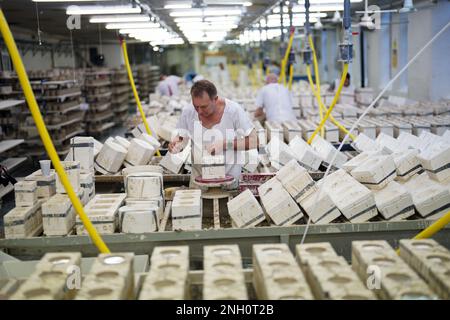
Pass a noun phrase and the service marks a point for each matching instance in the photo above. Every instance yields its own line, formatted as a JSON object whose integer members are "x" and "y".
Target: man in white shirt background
{"x": 215, "y": 125}
{"x": 274, "y": 101}
{"x": 168, "y": 85}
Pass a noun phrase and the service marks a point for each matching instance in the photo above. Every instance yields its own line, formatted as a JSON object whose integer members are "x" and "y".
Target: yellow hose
{"x": 285, "y": 59}
{"x": 333, "y": 103}
{"x": 136, "y": 95}
{"x": 308, "y": 72}
{"x": 434, "y": 227}
{"x": 291, "y": 76}
{"x": 322, "y": 107}
{"x": 48, "y": 144}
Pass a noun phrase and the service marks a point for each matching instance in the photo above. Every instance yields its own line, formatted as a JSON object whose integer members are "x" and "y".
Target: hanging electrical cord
{"x": 43, "y": 132}
{"x": 38, "y": 24}
{"x": 73, "y": 56}
{"x": 133, "y": 86}
{"x": 438, "y": 224}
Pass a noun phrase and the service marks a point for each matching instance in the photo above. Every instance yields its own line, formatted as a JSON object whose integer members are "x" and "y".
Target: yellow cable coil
{"x": 136, "y": 95}
{"x": 48, "y": 144}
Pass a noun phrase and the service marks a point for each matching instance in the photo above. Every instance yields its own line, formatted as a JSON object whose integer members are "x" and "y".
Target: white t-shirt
{"x": 235, "y": 123}
{"x": 169, "y": 86}
{"x": 276, "y": 100}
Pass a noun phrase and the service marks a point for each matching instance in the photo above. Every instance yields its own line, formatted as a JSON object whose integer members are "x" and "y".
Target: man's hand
{"x": 217, "y": 147}
{"x": 176, "y": 145}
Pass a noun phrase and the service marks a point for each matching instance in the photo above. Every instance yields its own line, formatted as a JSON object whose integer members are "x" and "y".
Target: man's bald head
{"x": 271, "y": 78}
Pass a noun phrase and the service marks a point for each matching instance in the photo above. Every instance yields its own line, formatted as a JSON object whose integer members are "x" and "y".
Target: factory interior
{"x": 225, "y": 150}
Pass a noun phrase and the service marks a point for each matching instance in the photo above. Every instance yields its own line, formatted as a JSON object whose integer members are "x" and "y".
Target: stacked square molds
{"x": 25, "y": 193}
{"x": 187, "y": 210}
{"x": 394, "y": 202}
{"x": 139, "y": 153}
{"x": 291, "y": 130}
{"x": 245, "y": 211}
{"x": 213, "y": 167}
{"x": 58, "y": 215}
{"x": 168, "y": 275}
{"x": 103, "y": 211}
{"x": 279, "y": 152}
{"x": 110, "y": 278}
{"x": 364, "y": 143}
{"x": 378, "y": 264}
{"x": 174, "y": 161}
{"x": 23, "y": 222}
{"x": 46, "y": 185}
{"x": 82, "y": 150}
{"x": 431, "y": 199}
{"x": 72, "y": 169}
{"x": 276, "y": 274}
{"x": 407, "y": 164}
{"x": 278, "y": 204}
{"x": 329, "y": 275}
{"x": 354, "y": 200}
{"x": 376, "y": 172}
{"x": 110, "y": 158}
{"x": 305, "y": 154}
{"x": 431, "y": 260}
{"x": 435, "y": 159}
{"x": 296, "y": 180}
{"x": 49, "y": 281}
{"x": 274, "y": 130}
{"x": 327, "y": 151}
{"x": 223, "y": 276}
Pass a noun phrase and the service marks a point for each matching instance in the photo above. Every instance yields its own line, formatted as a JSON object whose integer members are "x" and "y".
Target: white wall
{"x": 428, "y": 77}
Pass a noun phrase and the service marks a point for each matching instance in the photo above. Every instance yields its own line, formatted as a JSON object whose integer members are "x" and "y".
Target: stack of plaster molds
{"x": 278, "y": 204}
{"x": 354, "y": 200}
{"x": 431, "y": 260}
{"x": 111, "y": 278}
{"x": 388, "y": 144}
{"x": 139, "y": 153}
{"x": 327, "y": 152}
{"x": 364, "y": 143}
{"x": 435, "y": 159}
{"x": 187, "y": 210}
{"x": 223, "y": 276}
{"x": 46, "y": 185}
{"x": 245, "y": 211}
{"x": 305, "y": 154}
{"x": 58, "y": 215}
{"x": 274, "y": 130}
{"x": 329, "y": 275}
{"x": 279, "y": 152}
{"x": 167, "y": 278}
{"x": 291, "y": 129}
{"x": 110, "y": 158}
{"x": 276, "y": 275}
{"x": 395, "y": 279}
{"x": 407, "y": 164}
{"x": 375, "y": 172}
{"x": 394, "y": 202}
{"x": 173, "y": 162}
{"x": 431, "y": 199}
{"x": 103, "y": 211}
{"x": 213, "y": 167}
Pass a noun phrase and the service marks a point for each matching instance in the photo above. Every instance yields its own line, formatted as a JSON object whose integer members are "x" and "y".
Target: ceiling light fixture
{"x": 119, "y": 18}
{"x": 138, "y": 25}
{"x": 82, "y": 10}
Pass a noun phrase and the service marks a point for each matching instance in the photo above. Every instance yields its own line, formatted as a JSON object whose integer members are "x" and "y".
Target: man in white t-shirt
{"x": 168, "y": 85}
{"x": 274, "y": 101}
{"x": 215, "y": 125}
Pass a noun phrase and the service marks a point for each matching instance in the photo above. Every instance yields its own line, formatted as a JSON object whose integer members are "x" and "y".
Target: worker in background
{"x": 168, "y": 85}
{"x": 274, "y": 101}
{"x": 215, "y": 125}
